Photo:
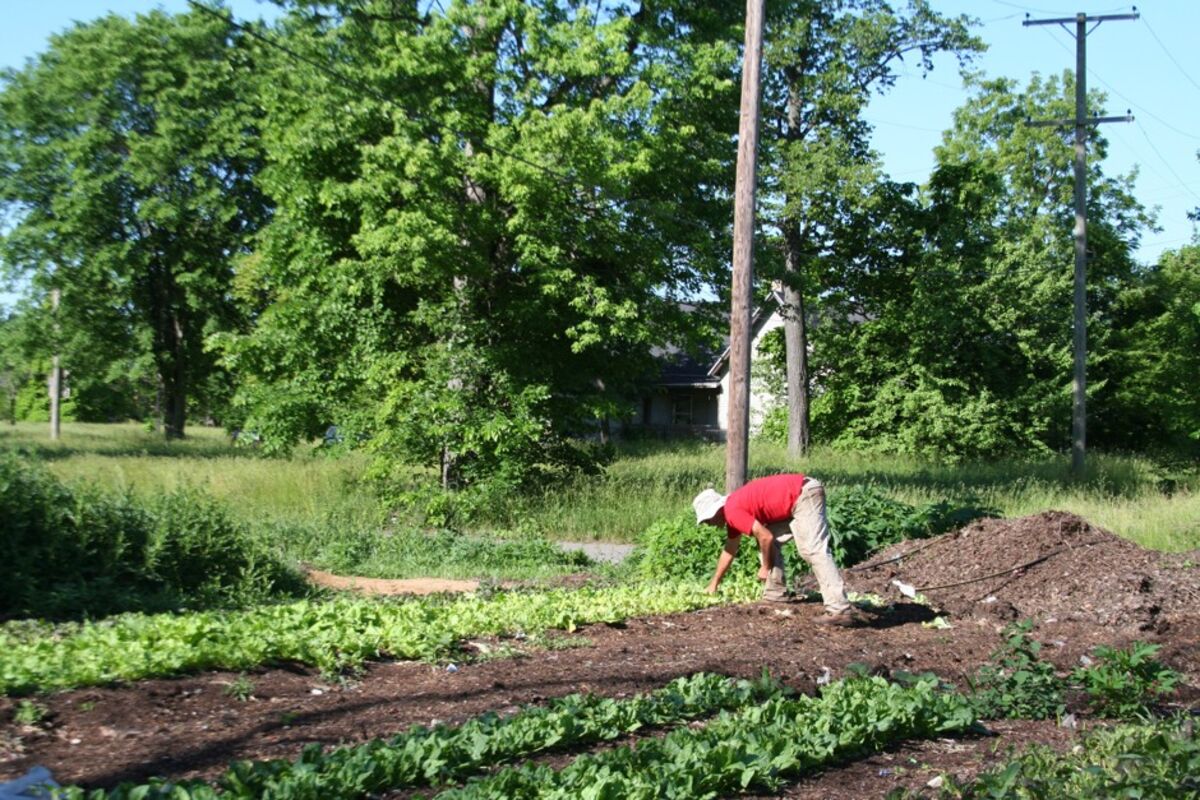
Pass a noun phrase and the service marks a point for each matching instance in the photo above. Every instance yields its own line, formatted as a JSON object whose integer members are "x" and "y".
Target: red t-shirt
{"x": 767, "y": 500}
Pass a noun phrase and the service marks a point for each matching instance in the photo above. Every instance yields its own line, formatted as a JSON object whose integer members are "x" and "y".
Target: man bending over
{"x": 773, "y": 510}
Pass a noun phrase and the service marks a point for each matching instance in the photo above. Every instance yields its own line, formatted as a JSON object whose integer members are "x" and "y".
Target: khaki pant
{"x": 809, "y": 529}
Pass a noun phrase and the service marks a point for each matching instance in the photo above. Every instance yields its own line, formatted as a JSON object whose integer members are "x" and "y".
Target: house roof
{"x": 761, "y": 314}
{"x": 705, "y": 369}
{"x": 678, "y": 369}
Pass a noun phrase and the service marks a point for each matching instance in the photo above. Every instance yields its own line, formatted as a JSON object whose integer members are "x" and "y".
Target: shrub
{"x": 1018, "y": 684}
{"x": 862, "y": 520}
{"x": 71, "y": 551}
{"x": 1124, "y": 683}
{"x": 678, "y": 548}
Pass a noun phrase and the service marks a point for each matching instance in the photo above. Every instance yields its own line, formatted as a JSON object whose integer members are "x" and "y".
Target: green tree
{"x": 955, "y": 337}
{"x": 128, "y": 151}
{"x": 1153, "y": 403}
{"x": 483, "y": 230}
{"x": 825, "y": 62}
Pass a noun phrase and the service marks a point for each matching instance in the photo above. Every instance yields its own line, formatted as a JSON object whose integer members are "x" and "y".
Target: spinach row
{"x": 331, "y": 635}
{"x": 756, "y": 748}
{"x": 444, "y": 754}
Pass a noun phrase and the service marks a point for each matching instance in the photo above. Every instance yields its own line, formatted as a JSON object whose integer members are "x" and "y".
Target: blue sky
{"x": 1150, "y": 66}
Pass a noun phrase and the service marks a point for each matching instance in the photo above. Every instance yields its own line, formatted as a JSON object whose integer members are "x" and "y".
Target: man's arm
{"x": 766, "y": 546}
{"x": 732, "y": 543}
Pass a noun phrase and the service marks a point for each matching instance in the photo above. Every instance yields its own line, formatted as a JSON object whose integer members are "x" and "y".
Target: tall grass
{"x": 1130, "y": 496}
{"x": 127, "y": 458}
{"x": 648, "y": 481}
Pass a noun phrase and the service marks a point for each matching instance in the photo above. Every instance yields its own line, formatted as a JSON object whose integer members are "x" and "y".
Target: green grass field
{"x": 1131, "y": 496}
{"x": 309, "y": 485}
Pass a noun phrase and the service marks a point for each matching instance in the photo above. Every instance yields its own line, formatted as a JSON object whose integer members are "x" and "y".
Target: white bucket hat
{"x": 707, "y": 504}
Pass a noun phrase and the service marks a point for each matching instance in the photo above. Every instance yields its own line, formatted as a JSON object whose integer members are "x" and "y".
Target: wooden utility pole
{"x": 737, "y": 443}
{"x": 1081, "y": 121}
{"x": 55, "y": 373}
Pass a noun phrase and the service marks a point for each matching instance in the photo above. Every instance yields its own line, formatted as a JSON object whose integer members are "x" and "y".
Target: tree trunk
{"x": 795, "y": 332}
{"x": 795, "y": 335}
{"x": 174, "y": 383}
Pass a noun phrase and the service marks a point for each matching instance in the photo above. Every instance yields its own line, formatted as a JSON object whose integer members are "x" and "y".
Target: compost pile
{"x": 1081, "y": 573}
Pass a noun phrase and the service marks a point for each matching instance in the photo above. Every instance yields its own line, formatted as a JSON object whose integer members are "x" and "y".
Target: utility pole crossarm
{"x": 1062, "y": 123}
{"x": 1082, "y": 18}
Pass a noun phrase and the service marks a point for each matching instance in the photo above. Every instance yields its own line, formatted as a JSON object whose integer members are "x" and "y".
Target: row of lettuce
{"x": 720, "y": 737}
{"x": 332, "y": 635}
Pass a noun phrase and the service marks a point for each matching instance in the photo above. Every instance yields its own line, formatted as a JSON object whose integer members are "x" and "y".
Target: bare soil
{"x": 194, "y": 726}
{"x": 389, "y": 586}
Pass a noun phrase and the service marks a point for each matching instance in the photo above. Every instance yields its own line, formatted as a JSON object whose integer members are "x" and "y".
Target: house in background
{"x": 691, "y": 397}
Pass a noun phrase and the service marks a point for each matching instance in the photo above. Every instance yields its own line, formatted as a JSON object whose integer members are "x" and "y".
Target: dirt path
{"x": 389, "y": 586}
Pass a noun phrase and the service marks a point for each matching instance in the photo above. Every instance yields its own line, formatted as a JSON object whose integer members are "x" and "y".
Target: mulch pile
{"x": 1051, "y": 565}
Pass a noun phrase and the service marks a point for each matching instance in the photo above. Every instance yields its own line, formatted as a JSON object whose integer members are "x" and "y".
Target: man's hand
{"x": 711, "y": 589}
{"x": 762, "y": 574}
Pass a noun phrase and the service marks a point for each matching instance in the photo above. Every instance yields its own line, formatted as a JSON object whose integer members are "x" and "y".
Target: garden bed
{"x": 192, "y": 727}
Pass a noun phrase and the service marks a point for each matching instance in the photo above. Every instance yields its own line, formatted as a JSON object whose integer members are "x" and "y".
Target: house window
{"x": 681, "y": 410}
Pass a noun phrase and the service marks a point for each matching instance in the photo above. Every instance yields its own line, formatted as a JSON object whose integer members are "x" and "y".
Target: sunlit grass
{"x": 1127, "y": 495}
{"x": 648, "y": 481}
{"x": 125, "y": 457}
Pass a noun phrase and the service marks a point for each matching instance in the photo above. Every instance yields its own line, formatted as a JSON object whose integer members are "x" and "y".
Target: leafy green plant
{"x": 1122, "y": 684}
{"x": 333, "y": 636}
{"x": 445, "y": 754}
{"x": 73, "y": 550}
{"x": 1018, "y": 684}
{"x": 240, "y": 688}
{"x": 755, "y": 749}
{"x": 29, "y": 713}
{"x": 679, "y": 549}
{"x": 1149, "y": 761}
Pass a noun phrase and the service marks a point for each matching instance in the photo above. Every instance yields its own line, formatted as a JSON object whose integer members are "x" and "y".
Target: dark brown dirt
{"x": 194, "y": 726}
{"x": 912, "y": 765}
{"x": 1081, "y": 573}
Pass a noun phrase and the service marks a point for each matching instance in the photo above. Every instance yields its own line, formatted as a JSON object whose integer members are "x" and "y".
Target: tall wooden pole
{"x": 1079, "y": 377}
{"x": 1081, "y": 122}
{"x": 737, "y": 443}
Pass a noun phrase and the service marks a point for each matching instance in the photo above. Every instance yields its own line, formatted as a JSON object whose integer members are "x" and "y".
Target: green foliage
{"x": 440, "y": 279}
{"x": 332, "y": 636}
{"x": 240, "y": 688}
{"x": 952, "y": 340}
{"x": 29, "y": 713}
{"x": 863, "y": 520}
{"x": 130, "y": 149}
{"x": 444, "y": 754}
{"x": 677, "y": 548}
{"x": 1018, "y": 684}
{"x": 72, "y": 551}
{"x": 1146, "y": 403}
{"x": 757, "y": 749}
{"x": 1123, "y": 684}
{"x": 1159, "y": 761}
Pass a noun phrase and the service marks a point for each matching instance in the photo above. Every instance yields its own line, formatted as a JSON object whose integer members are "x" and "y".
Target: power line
{"x": 1174, "y": 60}
{"x": 1166, "y": 163}
{"x": 1132, "y": 103}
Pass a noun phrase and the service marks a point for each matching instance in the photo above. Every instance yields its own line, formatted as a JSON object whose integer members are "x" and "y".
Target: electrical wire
{"x": 1133, "y": 103}
{"x": 1166, "y": 163}
{"x": 1174, "y": 60}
